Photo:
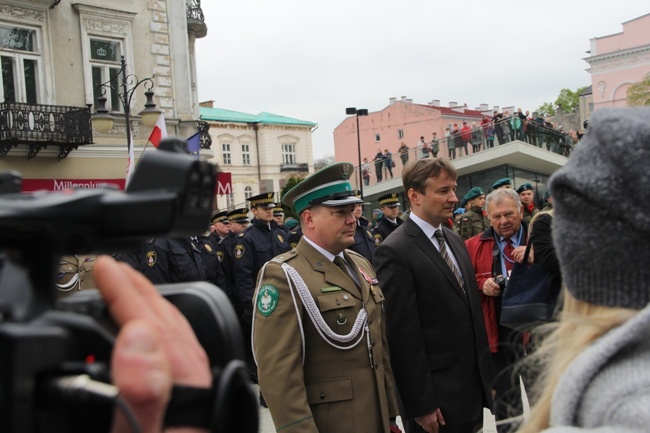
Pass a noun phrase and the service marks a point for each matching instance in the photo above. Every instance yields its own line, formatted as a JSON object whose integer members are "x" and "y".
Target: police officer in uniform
{"x": 173, "y": 260}
{"x": 238, "y": 219}
{"x": 474, "y": 221}
{"x": 390, "y": 221}
{"x": 278, "y": 215}
{"x": 213, "y": 255}
{"x": 75, "y": 273}
{"x": 527, "y": 195}
{"x": 364, "y": 243}
{"x": 252, "y": 248}
{"x": 318, "y": 333}
{"x": 219, "y": 225}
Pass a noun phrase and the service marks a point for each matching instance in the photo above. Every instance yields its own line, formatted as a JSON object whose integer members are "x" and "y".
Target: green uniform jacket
{"x": 471, "y": 223}
{"x": 334, "y": 390}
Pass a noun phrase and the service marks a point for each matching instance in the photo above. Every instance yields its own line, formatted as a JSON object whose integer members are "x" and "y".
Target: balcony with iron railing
{"x": 39, "y": 126}
{"x": 195, "y": 18}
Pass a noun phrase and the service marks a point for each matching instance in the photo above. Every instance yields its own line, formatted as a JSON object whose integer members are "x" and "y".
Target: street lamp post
{"x": 103, "y": 121}
{"x": 358, "y": 112}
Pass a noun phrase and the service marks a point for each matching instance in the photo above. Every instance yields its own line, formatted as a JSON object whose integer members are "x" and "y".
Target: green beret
{"x": 473, "y": 193}
{"x": 524, "y": 187}
{"x": 501, "y": 182}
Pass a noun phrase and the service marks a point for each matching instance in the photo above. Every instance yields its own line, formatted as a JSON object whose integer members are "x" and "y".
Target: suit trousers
{"x": 410, "y": 426}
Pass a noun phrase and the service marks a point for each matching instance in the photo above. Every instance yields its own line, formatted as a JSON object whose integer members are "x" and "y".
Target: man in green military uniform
{"x": 474, "y": 221}
{"x": 318, "y": 328}
{"x": 527, "y": 196}
{"x": 75, "y": 273}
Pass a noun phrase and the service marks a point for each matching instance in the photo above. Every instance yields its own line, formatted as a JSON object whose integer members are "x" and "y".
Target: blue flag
{"x": 194, "y": 145}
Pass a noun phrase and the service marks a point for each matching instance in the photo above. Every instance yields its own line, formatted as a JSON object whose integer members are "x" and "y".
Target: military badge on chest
{"x": 239, "y": 251}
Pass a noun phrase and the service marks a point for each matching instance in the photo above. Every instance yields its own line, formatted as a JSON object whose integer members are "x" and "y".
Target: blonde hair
{"x": 580, "y": 324}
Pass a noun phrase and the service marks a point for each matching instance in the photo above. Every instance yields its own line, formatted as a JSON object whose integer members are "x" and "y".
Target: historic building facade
{"x": 259, "y": 151}
{"x": 55, "y": 54}
{"x": 619, "y": 60}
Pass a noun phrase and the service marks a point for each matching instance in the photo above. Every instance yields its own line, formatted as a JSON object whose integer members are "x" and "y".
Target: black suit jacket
{"x": 436, "y": 333}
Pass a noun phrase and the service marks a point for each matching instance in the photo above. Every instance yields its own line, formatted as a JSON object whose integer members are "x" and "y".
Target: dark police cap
{"x": 327, "y": 187}
{"x": 501, "y": 182}
{"x": 473, "y": 193}
{"x": 220, "y": 217}
{"x": 524, "y": 187}
{"x": 277, "y": 210}
{"x": 390, "y": 200}
{"x": 238, "y": 215}
{"x": 264, "y": 200}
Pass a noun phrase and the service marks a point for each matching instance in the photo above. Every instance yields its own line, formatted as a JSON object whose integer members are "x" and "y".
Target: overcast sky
{"x": 311, "y": 59}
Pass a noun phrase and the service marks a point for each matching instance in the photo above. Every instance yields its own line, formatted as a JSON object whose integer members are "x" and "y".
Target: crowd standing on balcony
{"x": 498, "y": 129}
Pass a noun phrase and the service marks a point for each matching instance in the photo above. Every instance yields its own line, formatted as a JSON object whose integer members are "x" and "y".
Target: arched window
{"x": 248, "y": 192}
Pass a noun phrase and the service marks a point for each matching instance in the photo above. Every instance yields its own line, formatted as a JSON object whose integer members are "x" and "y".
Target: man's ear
{"x": 413, "y": 196}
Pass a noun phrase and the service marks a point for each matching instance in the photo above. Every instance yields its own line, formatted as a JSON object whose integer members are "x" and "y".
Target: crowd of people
{"x": 345, "y": 343}
{"x": 458, "y": 139}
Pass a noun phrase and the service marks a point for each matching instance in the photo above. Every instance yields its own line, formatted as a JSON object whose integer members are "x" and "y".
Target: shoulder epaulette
{"x": 285, "y": 257}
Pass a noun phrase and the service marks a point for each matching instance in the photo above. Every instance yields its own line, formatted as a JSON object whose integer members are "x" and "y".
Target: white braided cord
{"x": 358, "y": 329}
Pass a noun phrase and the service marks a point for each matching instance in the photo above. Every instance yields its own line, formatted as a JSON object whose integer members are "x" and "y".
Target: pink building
{"x": 401, "y": 121}
{"x": 619, "y": 60}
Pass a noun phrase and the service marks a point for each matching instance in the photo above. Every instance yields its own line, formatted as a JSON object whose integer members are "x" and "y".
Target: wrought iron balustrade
{"x": 41, "y": 125}
{"x": 195, "y": 18}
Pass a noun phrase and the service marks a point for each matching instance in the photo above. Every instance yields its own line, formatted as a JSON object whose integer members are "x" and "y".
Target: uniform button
{"x": 322, "y": 396}
{"x": 346, "y": 297}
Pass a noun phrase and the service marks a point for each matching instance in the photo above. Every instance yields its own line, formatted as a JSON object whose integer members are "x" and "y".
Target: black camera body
{"x": 501, "y": 281}
{"x": 170, "y": 194}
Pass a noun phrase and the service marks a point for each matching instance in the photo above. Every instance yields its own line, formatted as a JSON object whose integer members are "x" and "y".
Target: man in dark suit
{"x": 435, "y": 326}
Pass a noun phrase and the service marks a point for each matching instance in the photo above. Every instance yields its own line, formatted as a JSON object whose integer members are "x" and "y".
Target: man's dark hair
{"x": 417, "y": 174}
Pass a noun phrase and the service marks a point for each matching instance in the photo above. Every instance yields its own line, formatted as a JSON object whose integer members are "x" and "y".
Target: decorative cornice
{"x": 23, "y": 13}
{"x": 619, "y": 58}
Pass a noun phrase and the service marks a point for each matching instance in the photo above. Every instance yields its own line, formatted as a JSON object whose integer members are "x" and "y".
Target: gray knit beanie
{"x": 601, "y": 228}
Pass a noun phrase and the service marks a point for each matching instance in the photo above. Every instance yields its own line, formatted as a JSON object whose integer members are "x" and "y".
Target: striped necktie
{"x": 445, "y": 256}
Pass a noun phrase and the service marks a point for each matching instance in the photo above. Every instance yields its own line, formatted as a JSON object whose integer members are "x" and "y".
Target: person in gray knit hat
{"x": 596, "y": 375}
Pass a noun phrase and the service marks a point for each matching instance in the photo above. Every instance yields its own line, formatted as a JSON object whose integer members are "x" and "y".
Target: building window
{"x": 105, "y": 67}
{"x": 225, "y": 153}
{"x": 248, "y": 192}
{"x": 400, "y": 133}
{"x": 289, "y": 154}
{"x": 246, "y": 154}
{"x": 377, "y": 137}
{"x": 20, "y": 59}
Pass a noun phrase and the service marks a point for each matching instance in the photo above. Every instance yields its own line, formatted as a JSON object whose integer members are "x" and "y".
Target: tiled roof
{"x": 264, "y": 118}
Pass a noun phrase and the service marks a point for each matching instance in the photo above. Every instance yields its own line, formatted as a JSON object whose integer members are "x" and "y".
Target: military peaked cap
{"x": 327, "y": 187}
{"x": 277, "y": 210}
{"x": 391, "y": 199}
{"x": 221, "y": 217}
{"x": 238, "y": 215}
{"x": 264, "y": 199}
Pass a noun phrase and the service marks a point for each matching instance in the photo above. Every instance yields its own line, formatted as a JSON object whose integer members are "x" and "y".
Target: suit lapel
{"x": 430, "y": 250}
{"x": 331, "y": 273}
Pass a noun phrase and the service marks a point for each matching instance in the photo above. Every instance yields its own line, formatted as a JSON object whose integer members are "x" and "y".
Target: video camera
{"x": 45, "y": 347}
